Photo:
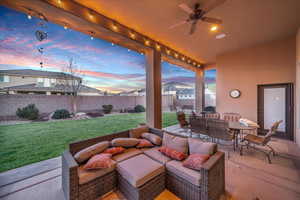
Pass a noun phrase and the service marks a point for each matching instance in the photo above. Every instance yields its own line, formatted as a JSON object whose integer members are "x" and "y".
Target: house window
{"x": 53, "y": 82}
{"x": 40, "y": 82}
{"x": 4, "y": 78}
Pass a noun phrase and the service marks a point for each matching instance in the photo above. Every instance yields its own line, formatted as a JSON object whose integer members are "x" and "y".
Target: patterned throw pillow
{"x": 114, "y": 150}
{"x": 99, "y": 161}
{"x": 172, "y": 153}
{"x": 144, "y": 143}
{"x": 195, "y": 161}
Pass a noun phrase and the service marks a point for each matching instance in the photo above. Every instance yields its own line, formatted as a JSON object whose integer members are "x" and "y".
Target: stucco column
{"x": 199, "y": 90}
{"x": 153, "y": 89}
{"x": 297, "y": 91}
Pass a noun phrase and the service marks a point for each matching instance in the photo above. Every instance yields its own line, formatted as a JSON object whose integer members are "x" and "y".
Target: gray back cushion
{"x": 200, "y": 147}
{"x": 90, "y": 151}
{"x": 175, "y": 142}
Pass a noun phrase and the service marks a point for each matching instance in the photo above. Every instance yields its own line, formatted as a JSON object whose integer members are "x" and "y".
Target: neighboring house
{"x": 140, "y": 92}
{"x": 27, "y": 81}
{"x": 185, "y": 94}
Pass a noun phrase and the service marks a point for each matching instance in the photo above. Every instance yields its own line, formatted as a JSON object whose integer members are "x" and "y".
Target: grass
{"x": 24, "y": 144}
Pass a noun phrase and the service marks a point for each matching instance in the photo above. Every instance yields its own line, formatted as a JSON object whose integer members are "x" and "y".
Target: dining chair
{"x": 212, "y": 115}
{"x": 253, "y": 141}
{"x": 233, "y": 117}
{"x": 198, "y": 126}
{"x": 183, "y": 123}
{"x": 220, "y": 132}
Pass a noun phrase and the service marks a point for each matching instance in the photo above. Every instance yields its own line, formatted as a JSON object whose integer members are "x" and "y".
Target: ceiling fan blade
{"x": 186, "y": 8}
{"x": 211, "y": 4}
{"x": 178, "y": 24}
{"x": 193, "y": 27}
{"x": 211, "y": 20}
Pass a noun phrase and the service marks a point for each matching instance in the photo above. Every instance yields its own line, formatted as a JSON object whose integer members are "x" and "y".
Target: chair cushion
{"x": 90, "y": 151}
{"x": 189, "y": 175}
{"x": 195, "y": 161}
{"x": 114, "y": 150}
{"x": 128, "y": 153}
{"x": 200, "y": 147}
{"x": 173, "y": 154}
{"x": 254, "y": 139}
{"x": 99, "y": 161}
{"x": 175, "y": 142}
{"x": 137, "y": 132}
{"x": 144, "y": 144}
{"x": 125, "y": 142}
{"x": 155, "y": 139}
{"x": 156, "y": 155}
{"x": 86, "y": 176}
{"x": 139, "y": 169}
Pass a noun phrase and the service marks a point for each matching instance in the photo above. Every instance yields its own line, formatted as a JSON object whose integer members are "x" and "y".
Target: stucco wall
{"x": 272, "y": 62}
{"x": 297, "y": 124}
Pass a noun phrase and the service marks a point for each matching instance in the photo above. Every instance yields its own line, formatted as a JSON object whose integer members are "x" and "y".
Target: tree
{"x": 72, "y": 82}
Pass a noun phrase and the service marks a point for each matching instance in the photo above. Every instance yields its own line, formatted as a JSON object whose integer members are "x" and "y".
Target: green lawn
{"x": 28, "y": 143}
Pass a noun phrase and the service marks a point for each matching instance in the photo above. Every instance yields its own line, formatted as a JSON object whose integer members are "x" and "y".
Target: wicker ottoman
{"x": 141, "y": 178}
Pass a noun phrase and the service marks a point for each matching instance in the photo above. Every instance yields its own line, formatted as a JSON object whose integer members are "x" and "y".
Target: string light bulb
{"x": 168, "y": 51}
{"x": 92, "y": 38}
{"x": 65, "y": 27}
{"x": 158, "y": 47}
{"x": 59, "y": 1}
{"x": 128, "y": 50}
{"x": 214, "y": 28}
{"x": 132, "y": 35}
{"x": 147, "y": 42}
{"x": 114, "y": 27}
{"x": 29, "y": 17}
{"x": 112, "y": 44}
{"x": 176, "y": 55}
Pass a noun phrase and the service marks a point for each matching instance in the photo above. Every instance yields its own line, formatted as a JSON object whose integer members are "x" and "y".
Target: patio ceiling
{"x": 246, "y": 23}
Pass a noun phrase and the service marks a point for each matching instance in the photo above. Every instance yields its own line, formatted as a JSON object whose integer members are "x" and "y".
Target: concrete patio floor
{"x": 247, "y": 177}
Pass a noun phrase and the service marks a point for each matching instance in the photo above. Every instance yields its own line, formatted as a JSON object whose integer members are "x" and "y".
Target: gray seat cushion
{"x": 86, "y": 176}
{"x": 128, "y": 153}
{"x": 189, "y": 175}
{"x": 139, "y": 169}
{"x": 156, "y": 155}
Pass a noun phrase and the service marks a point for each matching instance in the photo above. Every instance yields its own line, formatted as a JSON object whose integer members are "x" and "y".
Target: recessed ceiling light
{"x": 214, "y": 28}
{"x": 220, "y": 36}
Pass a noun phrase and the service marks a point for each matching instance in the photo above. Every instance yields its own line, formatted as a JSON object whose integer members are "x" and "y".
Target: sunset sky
{"x": 105, "y": 66}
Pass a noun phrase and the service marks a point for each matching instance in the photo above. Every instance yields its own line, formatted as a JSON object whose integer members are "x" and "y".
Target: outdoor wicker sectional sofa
{"x": 187, "y": 184}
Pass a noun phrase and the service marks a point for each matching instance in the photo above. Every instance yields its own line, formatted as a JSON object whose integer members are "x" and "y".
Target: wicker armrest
{"x": 213, "y": 176}
{"x": 70, "y": 179}
{"x": 156, "y": 131}
{"x": 213, "y": 160}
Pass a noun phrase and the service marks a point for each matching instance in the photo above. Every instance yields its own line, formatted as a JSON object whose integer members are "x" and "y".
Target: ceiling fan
{"x": 198, "y": 13}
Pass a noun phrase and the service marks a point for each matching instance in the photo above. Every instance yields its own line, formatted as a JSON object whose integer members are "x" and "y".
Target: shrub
{"x": 61, "y": 114}
{"x": 139, "y": 108}
{"x": 29, "y": 112}
{"x": 107, "y": 108}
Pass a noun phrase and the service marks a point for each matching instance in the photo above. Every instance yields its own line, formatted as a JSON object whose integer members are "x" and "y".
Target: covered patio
{"x": 252, "y": 47}
{"x": 247, "y": 177}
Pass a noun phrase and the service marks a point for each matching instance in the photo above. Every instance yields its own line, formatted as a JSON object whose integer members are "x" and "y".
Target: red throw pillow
{"x": 172, "y": 153}
{"x": 144, "y": 143}
{"x": 99, "y": 161}
{"x": 114, "y": 150}
{"x": 195, "y": 161}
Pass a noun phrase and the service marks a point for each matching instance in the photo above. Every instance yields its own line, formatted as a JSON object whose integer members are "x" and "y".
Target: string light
{"x": 158, "y": 47}
{"x": 132, "y": 35}
{"x": 176, "y": 55}
{"x": 168, "y": 51}
{"x": 59, "y": 1}
{"x": 147, "y": 42}
{"x": 112, "y": 44}
{"x": 189, "y": 61}
{"x": 29, "y": 17}
{"x": 92, "y": 37}
{"x": 128, "y": 50}
{"x": 198, "y": 65}
{"x": 65, "y": 27}
{"x": 183, "y": 58}
{"x": 114, "y": 27}
{"x": 142, "y": 53}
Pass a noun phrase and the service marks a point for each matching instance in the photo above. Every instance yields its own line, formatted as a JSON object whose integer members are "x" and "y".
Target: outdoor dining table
{"x": 237, "y": 127}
